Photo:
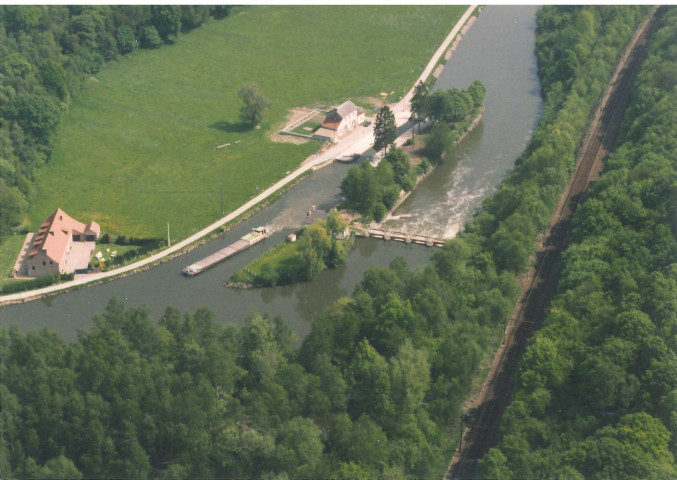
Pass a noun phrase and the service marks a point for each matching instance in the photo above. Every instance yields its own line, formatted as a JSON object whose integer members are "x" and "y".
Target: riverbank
{"x": 282, "y": 264}
{"x": 142, "y": 265}
{"x": 422, "y": 177}
{"x": 350, "y": 145}
{"x": 324, "y": 244}
{"x": 477, "y": 165}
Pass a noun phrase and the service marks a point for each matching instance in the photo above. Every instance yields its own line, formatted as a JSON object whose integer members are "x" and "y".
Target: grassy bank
{"x": 9, "y": 250}
{"x": 138, "y": 147}
{"x": 320, "y": 246}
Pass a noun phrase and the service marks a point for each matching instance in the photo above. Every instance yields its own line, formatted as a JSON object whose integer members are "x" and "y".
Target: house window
{"x": 44, "y": 263}
{"x": 33, "y": 267}
{"x": 51, "y": 262}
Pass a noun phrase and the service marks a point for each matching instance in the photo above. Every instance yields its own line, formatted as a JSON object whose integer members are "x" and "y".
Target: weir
{"x": 420, "y": 239}
{"x": 438, "y": 207}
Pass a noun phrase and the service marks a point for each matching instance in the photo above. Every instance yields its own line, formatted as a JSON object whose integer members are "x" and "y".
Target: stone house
{"x": 339, "y": 121}
{"x": 62, "y": 245}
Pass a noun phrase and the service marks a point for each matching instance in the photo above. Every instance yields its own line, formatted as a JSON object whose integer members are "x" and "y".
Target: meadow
{"x": 137, "y": 148}
{"x": 9, "y": 249}
{"x": 283, "y": 253}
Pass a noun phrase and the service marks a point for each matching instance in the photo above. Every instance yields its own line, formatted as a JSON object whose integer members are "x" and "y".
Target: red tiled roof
{"x": 93, "y": 227}
{"x": 56, "y": 231}
{"x": 335, "y": 116}
{"x": 331, "y": 125}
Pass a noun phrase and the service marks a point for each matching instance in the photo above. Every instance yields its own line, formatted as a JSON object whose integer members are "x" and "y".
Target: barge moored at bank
{"x": 252, "y": 238}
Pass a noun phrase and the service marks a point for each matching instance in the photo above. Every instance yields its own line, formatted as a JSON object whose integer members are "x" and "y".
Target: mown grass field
{"x": 137, "y": 149}
{"x": 9, "y": 250}
{"x": 308, "y": 128}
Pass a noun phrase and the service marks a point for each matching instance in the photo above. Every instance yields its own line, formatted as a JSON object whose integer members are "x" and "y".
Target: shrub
{"x": 267, "y": 277}
{"x": 423, "y": 167}
{"x": 39, "y": 282}
{"x": 126, "y": 40}
{"x": 150, "y": 38}
{"x": 379, "y": 212}
{"x": 390, "y": 196}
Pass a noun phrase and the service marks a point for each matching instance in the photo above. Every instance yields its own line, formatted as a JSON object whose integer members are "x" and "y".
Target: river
{"x": 497, "y": 50}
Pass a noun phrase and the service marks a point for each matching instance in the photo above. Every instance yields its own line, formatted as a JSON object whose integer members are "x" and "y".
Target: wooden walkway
{"x": 427, "y": 240}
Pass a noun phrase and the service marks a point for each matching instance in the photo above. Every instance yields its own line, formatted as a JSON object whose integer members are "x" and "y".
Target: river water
{"x": 498, "y": 51}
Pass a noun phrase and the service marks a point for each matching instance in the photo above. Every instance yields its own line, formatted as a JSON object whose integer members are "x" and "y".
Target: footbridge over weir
{"x": 419, "y": 239}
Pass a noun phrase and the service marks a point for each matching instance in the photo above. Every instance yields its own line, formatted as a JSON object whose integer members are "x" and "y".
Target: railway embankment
{"x": 481, "y": 424}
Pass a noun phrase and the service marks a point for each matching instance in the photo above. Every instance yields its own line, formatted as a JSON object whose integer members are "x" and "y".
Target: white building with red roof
{"x": 339, "y": 121}
{"x": 62, "y": 245}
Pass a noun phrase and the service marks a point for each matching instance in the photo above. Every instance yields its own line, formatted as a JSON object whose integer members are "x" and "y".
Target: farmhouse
{"x": 340, "y": 121}
{"x": 62, "y": 245}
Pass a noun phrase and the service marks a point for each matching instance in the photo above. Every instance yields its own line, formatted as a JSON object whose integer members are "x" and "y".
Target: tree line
{"x": 375, "y": 389}
{"x": 45, "y": 53}
{"x": 595, "y": 394}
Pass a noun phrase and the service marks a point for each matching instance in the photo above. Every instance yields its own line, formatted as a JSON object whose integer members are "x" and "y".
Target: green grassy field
{"x": 308, "y": 128}
{"x": 137, "y": 149}
{"x": 9, "y": 250}
{"x": 280, "y": 253}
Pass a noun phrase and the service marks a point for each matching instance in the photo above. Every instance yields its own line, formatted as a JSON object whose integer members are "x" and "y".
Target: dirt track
{"x": 481, "y": 424}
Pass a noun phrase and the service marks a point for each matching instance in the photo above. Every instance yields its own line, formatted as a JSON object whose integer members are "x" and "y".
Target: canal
{"x": 498, "y": 51}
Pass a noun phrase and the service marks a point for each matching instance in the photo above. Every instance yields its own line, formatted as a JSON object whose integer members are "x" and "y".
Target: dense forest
{"x": 376, "y": 388}
{"x": 45, "y": 53}
{"x": 596, "y": 395}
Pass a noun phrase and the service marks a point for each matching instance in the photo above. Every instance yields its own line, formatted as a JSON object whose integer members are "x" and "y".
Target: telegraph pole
{"x": 169, "y": 242}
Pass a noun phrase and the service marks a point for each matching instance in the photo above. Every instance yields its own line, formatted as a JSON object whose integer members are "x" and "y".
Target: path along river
{"x": 498, "y": 51}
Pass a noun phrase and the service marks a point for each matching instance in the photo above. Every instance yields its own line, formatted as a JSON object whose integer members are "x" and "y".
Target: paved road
{"x": 358, "y": 142}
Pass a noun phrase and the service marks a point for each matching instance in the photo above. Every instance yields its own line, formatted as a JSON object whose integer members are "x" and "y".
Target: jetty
{"x": 419, "y": 239}
{"x": 255, "y": 236}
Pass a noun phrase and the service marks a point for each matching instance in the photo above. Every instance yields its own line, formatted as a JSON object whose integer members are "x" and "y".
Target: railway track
{"x": 481, "y": 424}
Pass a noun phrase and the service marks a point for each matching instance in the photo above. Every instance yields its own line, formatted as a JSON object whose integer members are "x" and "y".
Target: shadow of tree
{"x": 230, "y": 127}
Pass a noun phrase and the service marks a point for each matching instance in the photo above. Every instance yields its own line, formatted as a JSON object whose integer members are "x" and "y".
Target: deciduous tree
{"x": 255, "y": 105}
{"x": 438, "y": 142}
{"x": 401, "y": 168}
{"x": 167, "y": 21}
